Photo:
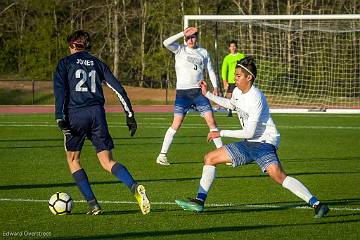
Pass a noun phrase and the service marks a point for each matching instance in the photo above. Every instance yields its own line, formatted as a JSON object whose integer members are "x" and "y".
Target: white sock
{"x": 297, "y": 188}
{"x": 169, "y": 136}
{"x": 207, "y": 178}
{"x": 217, "y": 141}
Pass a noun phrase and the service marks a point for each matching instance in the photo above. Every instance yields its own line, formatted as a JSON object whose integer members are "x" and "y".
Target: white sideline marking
{"x": 161, "y": 125}
{"x": 173, "y": 203}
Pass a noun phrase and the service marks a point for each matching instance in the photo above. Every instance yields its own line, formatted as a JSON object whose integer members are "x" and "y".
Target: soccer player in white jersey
{"x": 191, "y": 61}
{"x": 261, "y": 140}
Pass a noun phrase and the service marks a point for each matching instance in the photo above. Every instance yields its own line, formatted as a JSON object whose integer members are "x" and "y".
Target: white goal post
{"x": 306, "y": 63}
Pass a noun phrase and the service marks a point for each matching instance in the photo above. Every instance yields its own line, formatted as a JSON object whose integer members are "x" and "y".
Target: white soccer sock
{"x": 297, "y": 188}
{"x": 169, "y": 136}
{"x": 207, "y": 178}
{"x": 217, "y": 141}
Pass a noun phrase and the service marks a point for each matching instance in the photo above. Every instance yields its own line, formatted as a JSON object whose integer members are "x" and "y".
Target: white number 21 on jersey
{"x": 83, "y": 76}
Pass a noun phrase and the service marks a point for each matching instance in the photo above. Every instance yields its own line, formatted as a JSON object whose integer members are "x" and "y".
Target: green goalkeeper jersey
{"x": 228, "y": 66}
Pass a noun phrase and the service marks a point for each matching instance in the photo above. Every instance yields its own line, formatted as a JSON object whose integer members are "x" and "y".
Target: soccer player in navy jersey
{"x": 260, "y": 141}
{"x": 80, "y": 114}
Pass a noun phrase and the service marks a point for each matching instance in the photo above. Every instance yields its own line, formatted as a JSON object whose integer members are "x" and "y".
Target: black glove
{"x": 132, "y": 125}
{"x": 64, "y": 126}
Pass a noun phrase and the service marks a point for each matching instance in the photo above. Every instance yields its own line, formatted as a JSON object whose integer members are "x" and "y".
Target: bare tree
{"x": 116, "y": 38}
{"x": 124, "y": 22}
{"x": 143, "y": 5}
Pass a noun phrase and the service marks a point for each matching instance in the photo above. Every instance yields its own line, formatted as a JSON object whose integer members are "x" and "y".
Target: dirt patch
{"x": 142, "y": 95}
{"x": 20, "y": 92}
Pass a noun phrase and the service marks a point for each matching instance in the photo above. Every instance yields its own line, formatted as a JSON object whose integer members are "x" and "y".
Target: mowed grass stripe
{"x": 189, "y": 126}
{"x": 173, "y": 203}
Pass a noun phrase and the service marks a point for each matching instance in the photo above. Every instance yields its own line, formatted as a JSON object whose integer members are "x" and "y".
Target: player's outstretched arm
{"x": 224, "y": 102}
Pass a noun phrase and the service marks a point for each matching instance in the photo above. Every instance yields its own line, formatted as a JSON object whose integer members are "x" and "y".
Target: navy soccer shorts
{"x": 245, "y": 152}
{"x": 88, "y": 122}
{"x": 191, "y": 97}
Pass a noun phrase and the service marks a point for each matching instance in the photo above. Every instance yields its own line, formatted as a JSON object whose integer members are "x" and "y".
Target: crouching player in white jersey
{"x": 190, "y": 64}
{"x": 261, "y": 140}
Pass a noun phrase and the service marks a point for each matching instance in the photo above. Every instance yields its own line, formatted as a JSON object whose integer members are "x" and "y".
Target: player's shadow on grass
{"x": 30, "y": 140}
{"x": 33, "y": 147}
{"x": 320, "y": 159}
{"x": 335, "y": 215}
{"x": 184, "y": 179}
{"x": 129, "y": 142}
{"x": 121, "y": 212}
{"x": 187, "y": 137}
{"x": 199, "y": 232}
{"x": 245, "y": 208}
{"x": 280, "y": 206}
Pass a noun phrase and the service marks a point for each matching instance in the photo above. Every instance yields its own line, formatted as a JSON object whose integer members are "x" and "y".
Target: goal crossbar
{"x": 188, "y": 18}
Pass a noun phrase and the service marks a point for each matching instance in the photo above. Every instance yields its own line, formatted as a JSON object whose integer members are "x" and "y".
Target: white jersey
{"x": 254, "y": 115}
{"x": 190, "y": 63}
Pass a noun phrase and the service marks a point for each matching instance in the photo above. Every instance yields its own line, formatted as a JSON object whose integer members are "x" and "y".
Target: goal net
{"x": 304, "y": 61}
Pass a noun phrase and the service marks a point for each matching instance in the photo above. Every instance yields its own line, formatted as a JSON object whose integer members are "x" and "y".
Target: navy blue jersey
{"x": 78, "y": 83}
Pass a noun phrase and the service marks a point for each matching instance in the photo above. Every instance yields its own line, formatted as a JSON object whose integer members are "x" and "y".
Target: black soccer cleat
{"x": 321, "y": 210}
{"x": 94, "y": 208}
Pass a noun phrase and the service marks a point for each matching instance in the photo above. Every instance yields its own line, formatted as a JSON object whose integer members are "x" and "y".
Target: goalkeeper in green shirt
{"x": 228, "y": 70}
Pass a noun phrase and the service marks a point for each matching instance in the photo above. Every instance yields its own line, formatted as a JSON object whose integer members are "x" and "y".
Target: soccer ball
{"x": 61, "y": 203}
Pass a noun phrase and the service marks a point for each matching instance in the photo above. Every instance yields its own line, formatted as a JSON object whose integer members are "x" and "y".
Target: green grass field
{"x": 322, "y": 151}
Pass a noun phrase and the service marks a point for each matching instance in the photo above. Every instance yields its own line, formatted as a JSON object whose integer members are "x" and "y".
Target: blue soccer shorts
{"x": 187, "y": 98}
{"x": 88, "y": 122}
{"x": 245, "y": 152}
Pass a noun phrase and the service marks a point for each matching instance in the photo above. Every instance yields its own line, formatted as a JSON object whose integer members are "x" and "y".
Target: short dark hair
{"x": 80, "y": 40}
{"x": 232, "y": 42}
{"x": 249, "y": 65}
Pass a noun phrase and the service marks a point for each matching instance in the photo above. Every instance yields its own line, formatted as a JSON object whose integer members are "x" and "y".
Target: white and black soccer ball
{"x": 61, "y": 203}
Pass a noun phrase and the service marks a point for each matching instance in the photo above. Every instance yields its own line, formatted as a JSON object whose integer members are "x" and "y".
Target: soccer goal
{"x": 305, "y": 62}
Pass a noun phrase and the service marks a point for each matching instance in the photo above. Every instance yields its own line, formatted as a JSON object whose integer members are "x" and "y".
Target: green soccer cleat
{"x": 193, "y": 205}
{"x": 142, "y": 199}
{"x": 321, "y": 210}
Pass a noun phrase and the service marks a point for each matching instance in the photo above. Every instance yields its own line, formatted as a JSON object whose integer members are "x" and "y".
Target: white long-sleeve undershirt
{"x": 224, "y": 102}
{"x": 247, "y": 133}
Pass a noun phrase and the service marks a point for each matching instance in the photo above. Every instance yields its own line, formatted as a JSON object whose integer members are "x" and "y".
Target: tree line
{"x": 126, "y": 34}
